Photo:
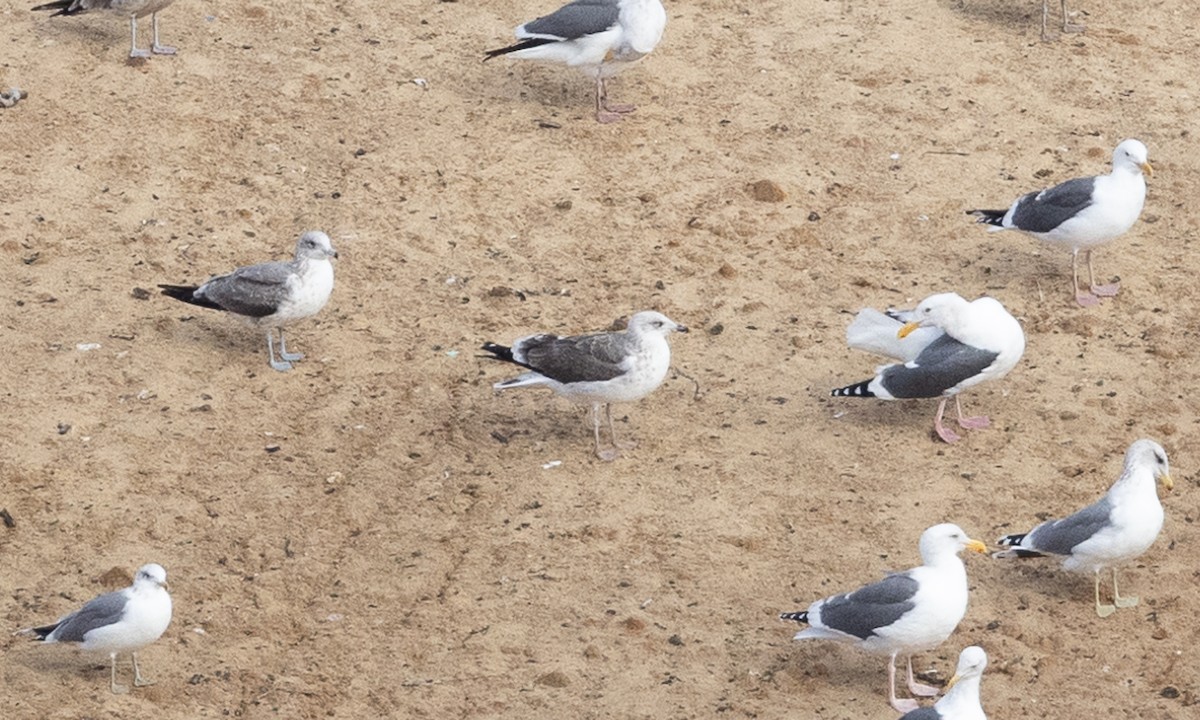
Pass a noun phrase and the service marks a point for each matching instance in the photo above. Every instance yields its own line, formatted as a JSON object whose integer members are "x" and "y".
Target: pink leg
{"x": 1068, "y": 26}
{"x": 1101, "y": 290}
{"x": 916, "y": 688}
{"x": 606, "y": 454}
{"x": 942, "y": 431}
{"x": 1084, "y": 297}
{"x": 612, "y": 431}
{"x": 605, "y": 112}
{"x": 974, "y": 422}
{"x": 903, "y": 706}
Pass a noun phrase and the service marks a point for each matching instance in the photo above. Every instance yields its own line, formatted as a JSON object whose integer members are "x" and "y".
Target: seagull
{"x": 1115, "y": 529}
{"x": 944, "y": 347}
{"x": 1082, "y": 213}
{"x": 116, "y": 622}
{"x": 133, "y": 8}
{"x": 600, "y": 37}
{"x": 961, "y": 701}
{"x": 1067, "y": 25}
{"x": 271, "y": 295}
{"x": 595, "y": 370}
{"x": 906, "y": 612}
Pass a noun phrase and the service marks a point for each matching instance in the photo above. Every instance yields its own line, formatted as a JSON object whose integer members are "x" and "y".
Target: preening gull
{"x": 907, "y": 612}
{"x": 944, "y": 347}
{"x": 1115, "y": 529}
{"x": 595, "y": 370}
{"x": 600, "y": 37}
{"x": 271, "y": 295}
{"x": 961, "y": 701}
{"x": 117, "y": 622}
{"x": 133, "y": 8}
{"x": 1083, "y": 213}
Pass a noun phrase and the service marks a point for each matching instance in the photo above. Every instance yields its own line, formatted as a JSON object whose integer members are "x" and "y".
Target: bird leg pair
{"x": 1084, "y": 297}
{"x": 1067, "y": 27}
{"x": 967, "y": 423}
{"x": 916, "y": 688}
{"x": 155, "y": 48}
{"x": 606, "y": 113}
{"x": 138, "y": 680}
{"x": 285, "y": 358}
{"x": 611, "y": 453}
{"x": 1118, "y": 601}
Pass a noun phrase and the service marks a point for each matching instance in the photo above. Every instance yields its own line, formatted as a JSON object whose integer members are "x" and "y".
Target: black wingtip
{"x": 498, "y": 352}
{"x": 187, "y": 294}
{"x": 859, "y": 389}
{"x": 62, "y": 6}
{"x": 800, "y": 616}
{"x": 1011, "y": 540}
{"x": 989, "y": 217}
{"x": 41, "y": 633}
{"x": 523, "y": 45}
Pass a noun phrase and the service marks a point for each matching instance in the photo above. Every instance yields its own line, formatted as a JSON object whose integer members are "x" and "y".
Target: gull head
{"x": 971, "y": 662}
{"x": 314, "y": 245}
{"x": 1134, "y": 155}
{"x": 1149, "y": 454}
{"x": 946, "y": 539}
{"x": 152, "y": 574}
{"x": 938, "y": 310}
{"x": 649, "y": 322}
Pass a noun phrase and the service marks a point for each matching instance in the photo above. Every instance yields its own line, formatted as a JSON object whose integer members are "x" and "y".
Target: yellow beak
{"x": 907, "y": 330}
{"x": 1147, "y": 169}
{"x": 953, "y": 680}
{"x": 1167, "y": 482}
{"x": 976, "y": 546}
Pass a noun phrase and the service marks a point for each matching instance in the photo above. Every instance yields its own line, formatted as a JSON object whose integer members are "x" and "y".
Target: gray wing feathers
{"x": 254, "y": 291}
{"x": 587, "y": 358}
{"x": 925, "y": 713}
{"x": 98, "y": 612}
{"x": 944, "y": 363}
{"x": 1043, "y": 211}
{"x": 574, "y": 20}
{"x": 867, "y": 609}
{"x": 1061, "y": 536}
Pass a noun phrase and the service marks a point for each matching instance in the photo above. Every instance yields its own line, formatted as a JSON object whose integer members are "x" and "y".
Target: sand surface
{"x": 377, "y": 534}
